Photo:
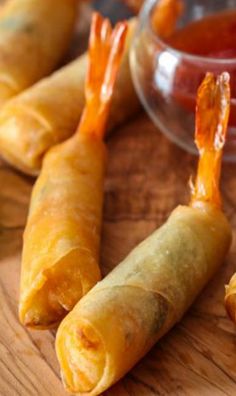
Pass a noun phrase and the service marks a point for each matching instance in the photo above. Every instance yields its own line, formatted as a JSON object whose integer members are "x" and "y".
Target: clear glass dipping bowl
{"x": 155, "y": 67}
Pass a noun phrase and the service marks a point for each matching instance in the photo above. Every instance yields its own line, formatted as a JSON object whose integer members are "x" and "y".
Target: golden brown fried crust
{"x": 230, "y": 305}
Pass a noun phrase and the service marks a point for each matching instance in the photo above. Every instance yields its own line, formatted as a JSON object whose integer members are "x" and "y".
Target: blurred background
{"x": 115, "y": 9}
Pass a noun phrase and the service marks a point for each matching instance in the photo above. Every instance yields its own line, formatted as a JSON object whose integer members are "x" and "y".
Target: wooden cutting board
{"x": 147, "y": 177}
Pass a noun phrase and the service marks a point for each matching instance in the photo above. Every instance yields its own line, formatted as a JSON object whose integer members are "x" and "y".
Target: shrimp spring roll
{"x": 230, "y": 298}
{"x": 122, "y": 317}
{"x": 34, "y": 35}
{"x": 49, "y": 112}
{"x": 62, "y": 235}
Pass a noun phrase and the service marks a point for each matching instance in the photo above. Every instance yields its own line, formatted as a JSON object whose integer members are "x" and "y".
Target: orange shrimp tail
{"x": 166, "y": 15}
{"x": 106, "y": 47}
{"x": 212, "y": 114}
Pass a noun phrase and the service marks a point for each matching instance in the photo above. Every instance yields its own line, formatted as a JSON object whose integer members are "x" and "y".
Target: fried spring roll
{"x": 49, "y": 112}
{"x": 122, "y": 317}
{"x": 230, "y": 298}
{"x": 62, "y": 235}
{"x": 33, "y": 37}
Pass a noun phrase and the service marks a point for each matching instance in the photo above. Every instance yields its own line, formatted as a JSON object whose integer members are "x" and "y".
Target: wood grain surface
{"x": 147, "y": 177}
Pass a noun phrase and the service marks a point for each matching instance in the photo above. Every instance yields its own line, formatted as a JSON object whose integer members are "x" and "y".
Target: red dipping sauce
{"x": 212, "y": 37}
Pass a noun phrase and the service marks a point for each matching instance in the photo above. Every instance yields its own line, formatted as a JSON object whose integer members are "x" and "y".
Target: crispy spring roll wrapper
{"x": 31, "y": 123}
{"x": 122, "y": 317}
{"x": 126, "y": 313}
{"x": 60, "y": 260}
{"x": 230, "y": 298}
{"x": 61, "y": 240}
{"x": 33, "y": 37}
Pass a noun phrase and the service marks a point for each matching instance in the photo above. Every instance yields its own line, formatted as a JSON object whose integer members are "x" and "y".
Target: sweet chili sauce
{"x": 213, "y": 36}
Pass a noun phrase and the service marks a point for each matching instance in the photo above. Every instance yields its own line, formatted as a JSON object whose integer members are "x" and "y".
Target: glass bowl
{"x": 166, "y": 79}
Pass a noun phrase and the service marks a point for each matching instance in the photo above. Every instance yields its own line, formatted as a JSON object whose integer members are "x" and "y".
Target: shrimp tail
{"x": 106, "y": 46}
{"x": 165, "y": 16}
{"x": 212, "y": 114}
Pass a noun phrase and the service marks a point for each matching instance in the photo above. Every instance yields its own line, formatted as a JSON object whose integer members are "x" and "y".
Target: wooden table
{"x": 147, "y": 177}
